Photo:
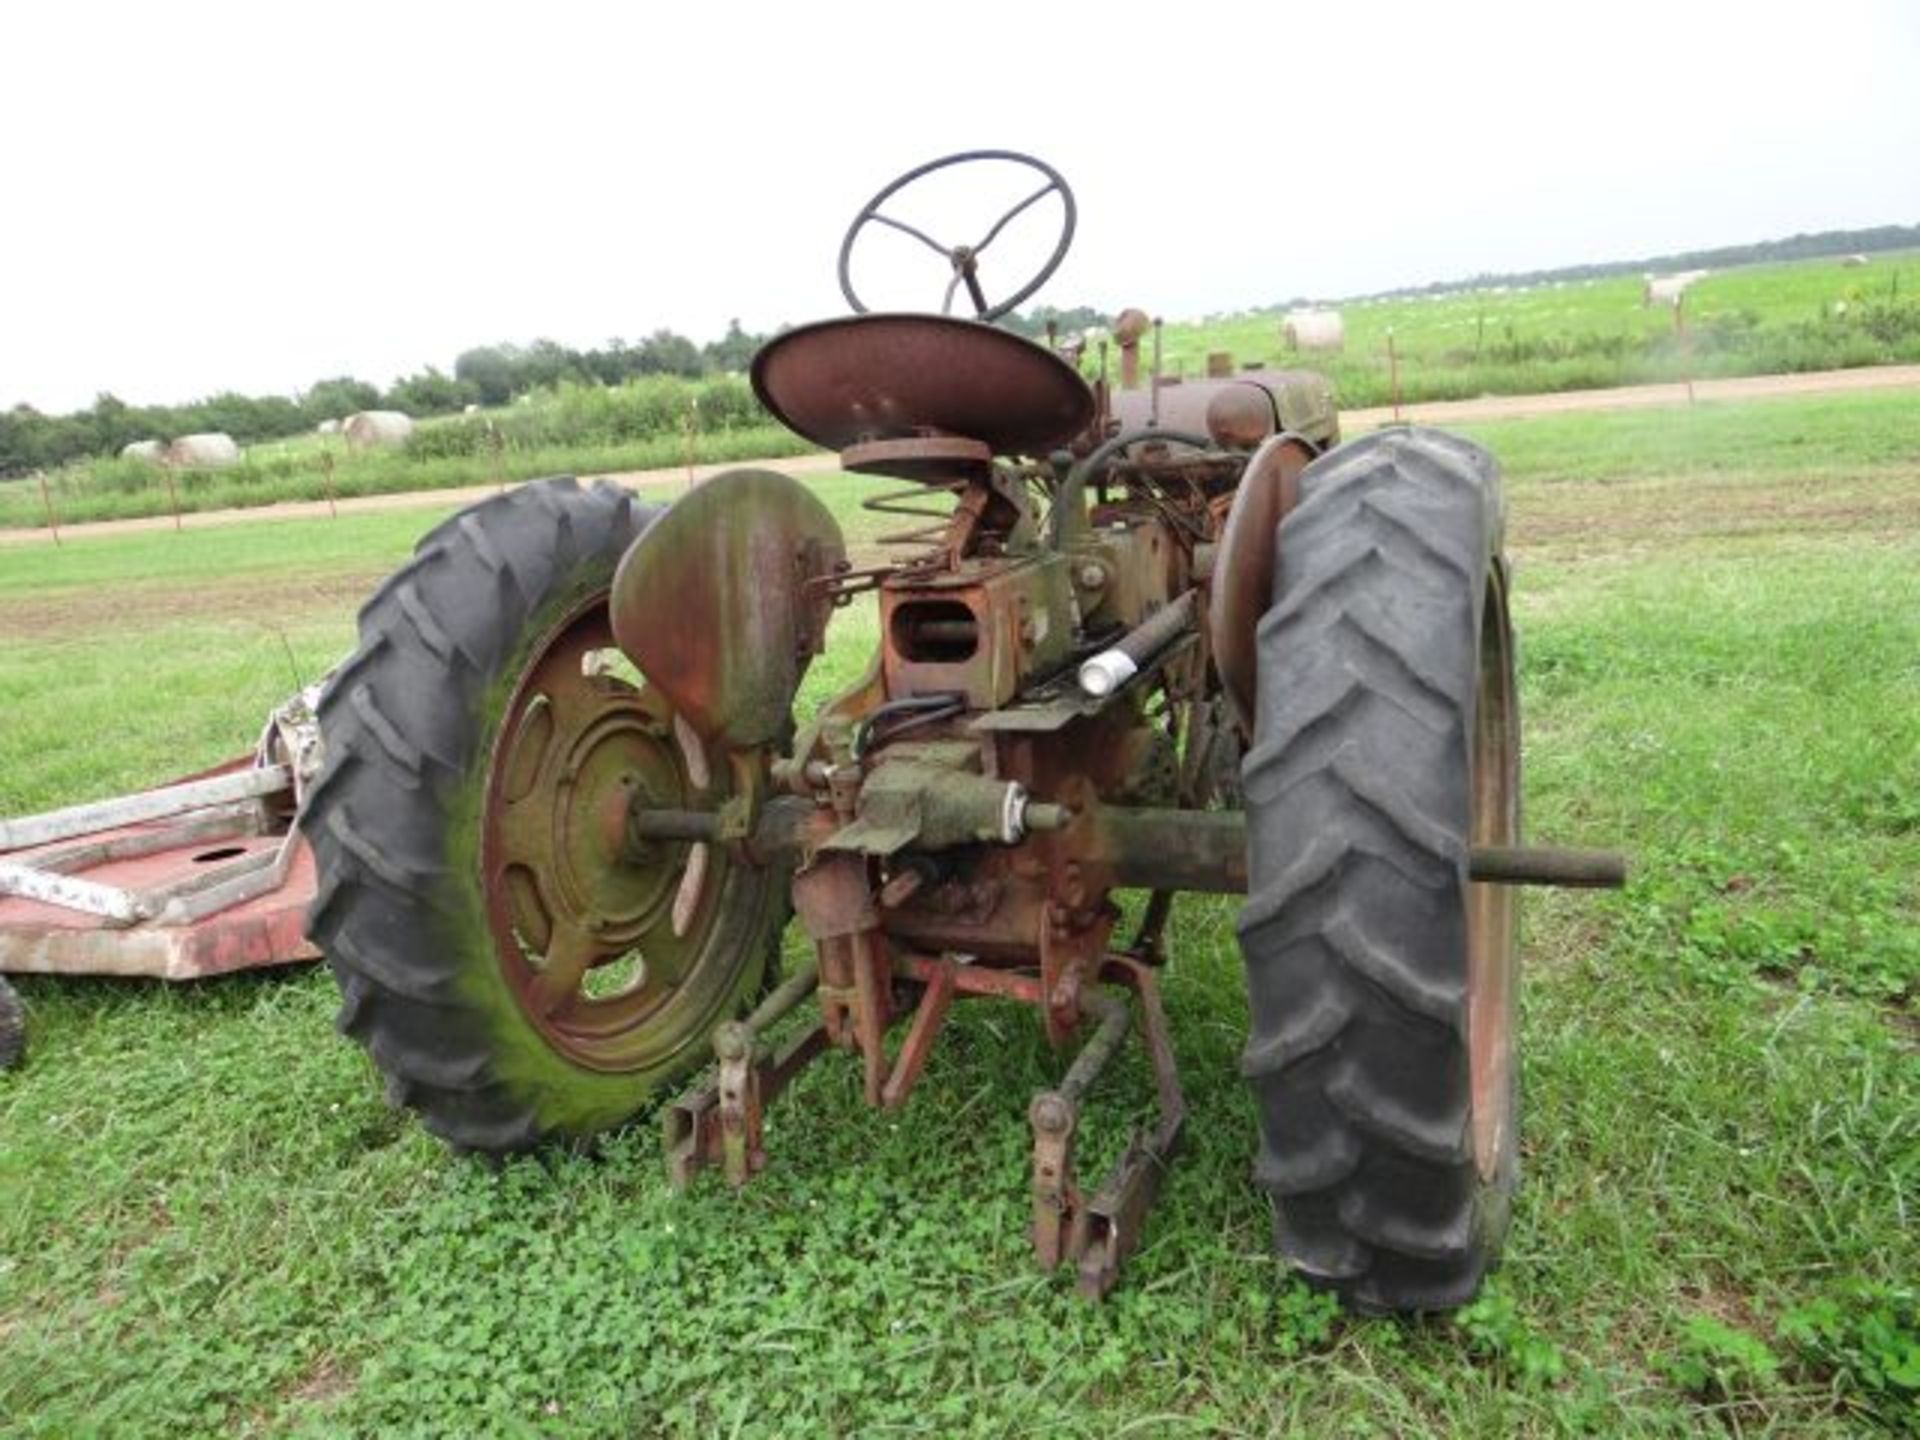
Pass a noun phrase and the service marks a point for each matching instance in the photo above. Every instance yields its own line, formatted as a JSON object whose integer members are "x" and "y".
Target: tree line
{"x": 498, "y": 374}
{"x": 485, "y": 375}
{"x": 1814, "y": 245}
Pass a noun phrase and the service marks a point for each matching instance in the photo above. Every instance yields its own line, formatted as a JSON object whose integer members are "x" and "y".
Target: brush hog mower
{"x": 566, "y": 812}
{"x": 201, "y": 877}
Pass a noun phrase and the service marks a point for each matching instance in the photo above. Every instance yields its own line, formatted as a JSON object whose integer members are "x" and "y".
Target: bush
{"x": 573, "y": 414}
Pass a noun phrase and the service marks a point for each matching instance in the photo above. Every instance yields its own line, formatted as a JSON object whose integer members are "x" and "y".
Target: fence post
{"x": 326, "y": 473}
{"x": 1393, "y": 368}
{"x": 1686, "y": 342}
{"x": 46, "y": 499}
{"x": 690, "y": 427}
{"x": 173, "y": 495}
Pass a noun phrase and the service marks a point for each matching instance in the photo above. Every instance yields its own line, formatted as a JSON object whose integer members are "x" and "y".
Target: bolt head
{"x": 732, "y": 1041}
{"x": 1051, "y": 1114}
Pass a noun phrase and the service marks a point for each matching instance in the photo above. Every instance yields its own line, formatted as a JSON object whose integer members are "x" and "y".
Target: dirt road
{"x": 669, "y": 481}
{"x": 664, "y": 482}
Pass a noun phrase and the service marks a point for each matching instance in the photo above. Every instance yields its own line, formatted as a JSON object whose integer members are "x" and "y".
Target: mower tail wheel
{"x": 515, "y": 969}
{"x": 1381, "y": 979}
{"x": 13, "y": 1027}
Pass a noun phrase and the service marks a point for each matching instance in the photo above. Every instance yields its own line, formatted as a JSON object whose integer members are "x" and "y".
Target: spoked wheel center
{"x": 1491, "y": 936}
{"x": 596, "y": 936}
{"x": 623, "y": 756}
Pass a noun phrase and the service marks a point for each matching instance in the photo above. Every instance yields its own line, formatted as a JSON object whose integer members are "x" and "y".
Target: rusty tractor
{"x": 566, "y": 813}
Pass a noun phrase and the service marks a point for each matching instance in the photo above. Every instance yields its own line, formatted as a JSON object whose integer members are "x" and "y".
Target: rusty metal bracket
{"x": 1058, "y": 1221}
{"x": 1097, "y": 1234}
{"x": 1116, "y": 1216}
{"x": 696, "y": 1131}
{"x": 936, "y": 999}
{"x": 722, "y": 1123}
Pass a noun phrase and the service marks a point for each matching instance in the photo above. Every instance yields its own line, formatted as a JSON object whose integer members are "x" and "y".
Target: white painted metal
{"x": 44, "y": 829}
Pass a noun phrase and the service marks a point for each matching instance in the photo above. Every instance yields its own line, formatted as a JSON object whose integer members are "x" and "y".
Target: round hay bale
{"x": 1314, "y": 330}
{"x": 369, "y": 428}
{"x": 211, "y": 451}
{"x": 153, "y": 452}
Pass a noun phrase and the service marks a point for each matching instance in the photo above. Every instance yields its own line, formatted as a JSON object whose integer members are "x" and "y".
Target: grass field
{"x": 292, "y": 470}
{"x": 209, "y": 1222}
{"x": 1752, "y": 320}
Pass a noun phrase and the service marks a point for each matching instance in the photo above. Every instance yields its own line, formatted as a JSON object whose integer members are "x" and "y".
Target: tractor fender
{"x": 736, "y": 563}
{"x": 1241, "y": 585}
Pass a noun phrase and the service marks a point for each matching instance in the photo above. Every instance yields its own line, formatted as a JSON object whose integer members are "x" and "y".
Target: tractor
{"x": 1160, "y": 637}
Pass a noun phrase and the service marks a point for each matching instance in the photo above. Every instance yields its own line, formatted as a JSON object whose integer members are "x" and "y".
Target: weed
{"x": 1494, "y": 1330}
{"x": 1865, "y": 1341}
{"x": 1303, "y": 1319}
{"x": 1718, "y": 1361}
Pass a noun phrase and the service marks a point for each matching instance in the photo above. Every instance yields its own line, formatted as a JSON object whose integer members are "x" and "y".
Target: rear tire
{"x": 1381, "y": 980}
{"x": 461, "y": 702}
{"x": 13, "y": 1027}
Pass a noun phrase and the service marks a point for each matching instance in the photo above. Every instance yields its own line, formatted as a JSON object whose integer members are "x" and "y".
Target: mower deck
{"x": 202, "y": 891}
{"x": 37, "y": 937}
{"x": 201, "y": 877}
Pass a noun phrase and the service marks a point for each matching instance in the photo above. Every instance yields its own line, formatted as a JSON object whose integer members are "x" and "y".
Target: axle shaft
{"x": 1206, "y": 850}
{"x": 1199, "y": 850}
{"x": 1549, "y": 865}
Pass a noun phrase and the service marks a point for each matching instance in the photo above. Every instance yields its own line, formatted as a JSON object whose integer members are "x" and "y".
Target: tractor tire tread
{"x": 378, "y": 814}
{"x": 1359, "y": 806}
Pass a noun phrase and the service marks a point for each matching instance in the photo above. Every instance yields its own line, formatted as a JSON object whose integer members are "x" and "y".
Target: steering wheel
{"x": 964, "y": 259}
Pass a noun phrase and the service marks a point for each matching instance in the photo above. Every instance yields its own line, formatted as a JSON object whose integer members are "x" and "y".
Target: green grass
{"x": 1756, "y": 319}
{"x": 285, "y": 470}
{"x": 209, "y": 1222}
{"x": 1751, "y": 320}
{"x": 1820, "y": 439}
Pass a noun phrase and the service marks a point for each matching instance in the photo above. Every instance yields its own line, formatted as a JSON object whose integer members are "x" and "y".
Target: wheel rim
{"x": 1491, "y": 949}
{"x": 603, "y": 947}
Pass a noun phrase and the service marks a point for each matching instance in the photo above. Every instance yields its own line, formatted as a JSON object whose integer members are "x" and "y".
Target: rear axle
{"x": 1156, "y": 849}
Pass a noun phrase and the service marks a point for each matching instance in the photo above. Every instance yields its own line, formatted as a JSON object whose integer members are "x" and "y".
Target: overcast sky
{"x": 254, "y": 196}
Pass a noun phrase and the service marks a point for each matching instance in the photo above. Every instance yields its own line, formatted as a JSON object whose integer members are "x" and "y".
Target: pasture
{"x": 622, "y": 428}
{"x": 1591, "y": 334}
{"x": 1751, "y": 320}
{"x": 210, "y": 1223}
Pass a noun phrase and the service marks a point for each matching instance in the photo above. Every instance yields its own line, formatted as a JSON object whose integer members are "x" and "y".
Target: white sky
{"x": 254, "y": 196}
